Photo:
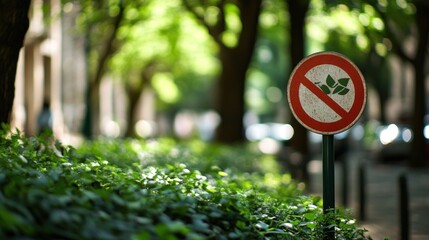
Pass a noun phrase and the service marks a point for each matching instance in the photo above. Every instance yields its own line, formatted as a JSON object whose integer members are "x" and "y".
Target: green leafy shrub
{"x": 51, "y": 191}
{"x": 196, "y": 154}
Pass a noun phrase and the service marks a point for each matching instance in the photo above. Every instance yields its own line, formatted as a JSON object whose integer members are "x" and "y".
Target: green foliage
{"x": 50, "y": 191}
{"x": 195, "y": 154}
{"x": 335, "y": 87}
{"x": 152, "y": 44}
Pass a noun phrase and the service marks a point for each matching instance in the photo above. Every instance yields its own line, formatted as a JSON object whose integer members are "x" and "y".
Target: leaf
{"x": 287, "y": 225}
{"x": 331, "y": 82}
{"x": 325, "y": 89}
{"x": 344, "y": 81}
{"x": 60, "y": 216}
{"x": 9, "y": 219}
{"x": 199, "y": 225}
{"x": 311, "y": 225}
{"x": 338, "y": 89}
{"x": 262, "y": 225}
{"x": 240, "y": 224}
{"x": 344, "y": 91}
{"x": 177, "y": 227}
{"x": 310, "y": 216}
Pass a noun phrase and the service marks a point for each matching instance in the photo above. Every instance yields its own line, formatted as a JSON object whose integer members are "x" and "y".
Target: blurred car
{"x": 269, "y": 136}
{"x": 394, "y": 142}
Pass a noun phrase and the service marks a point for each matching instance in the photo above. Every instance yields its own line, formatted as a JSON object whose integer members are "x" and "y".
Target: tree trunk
{"x": 297, "y": 12}
{"x": 380, "y": 81}
{"x": 418, "y": 153}
{"x": 235, "y": 62}
{"x": 92, "y": 118}
{"x": 230, "y": 98}
{"x": 14, "y": 24}
{"x": 133, "y": 100}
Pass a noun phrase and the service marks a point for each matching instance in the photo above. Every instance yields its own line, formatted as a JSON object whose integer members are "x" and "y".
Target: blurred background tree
{"x": 100, "y": 22}
{"x": 297, "y": 51}
{"x": 407, "y": 22}
{"x": 14, "y": 24}
{"x": 143, "y": 44}
{"x": 400, "y": 28}
{"x": 163, "y": 49}
{"x": 233, "y": 26}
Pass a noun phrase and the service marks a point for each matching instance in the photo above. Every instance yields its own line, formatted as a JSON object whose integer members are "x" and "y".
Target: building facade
{"x": 51, "y": 72}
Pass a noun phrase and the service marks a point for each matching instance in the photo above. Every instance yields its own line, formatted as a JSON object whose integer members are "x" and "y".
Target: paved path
{"x": 382, "y": 208}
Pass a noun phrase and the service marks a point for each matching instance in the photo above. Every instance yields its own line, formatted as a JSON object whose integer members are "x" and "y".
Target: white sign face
{"x": 326, "y": 93}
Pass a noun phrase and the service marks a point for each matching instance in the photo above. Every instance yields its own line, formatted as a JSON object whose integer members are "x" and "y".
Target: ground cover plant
{"x": 152, "y": 190}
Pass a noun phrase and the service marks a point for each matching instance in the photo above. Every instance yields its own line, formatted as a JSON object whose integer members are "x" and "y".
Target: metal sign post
{"x": 327, "y": 94}
{"x": 328, "y": 181}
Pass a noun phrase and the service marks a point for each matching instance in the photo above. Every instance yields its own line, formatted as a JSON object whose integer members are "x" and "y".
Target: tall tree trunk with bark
{"x": 231, "y": 83}
{"x": 14, "y": 24}
{"x": 133, "y": 96}
{"x": 235, "y": 61}
{"x": 379, "y": 79}
{"x": 91, "y": 120}
{"x": 418, "y": 151}
{"x": 230, "y": 97}
{"x": 134, "y": 93}
{"x": 297, "y": 14}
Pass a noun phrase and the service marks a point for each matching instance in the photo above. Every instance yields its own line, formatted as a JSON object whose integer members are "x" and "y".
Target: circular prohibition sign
{"x": 326, "y": 93}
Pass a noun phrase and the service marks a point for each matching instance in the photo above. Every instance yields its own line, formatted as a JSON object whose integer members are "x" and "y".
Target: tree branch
{"x": 108, "y": 47}
{"x": 216, "y": 30}
{"x": 249, "y": 16}
{"x": 396, "y": 44}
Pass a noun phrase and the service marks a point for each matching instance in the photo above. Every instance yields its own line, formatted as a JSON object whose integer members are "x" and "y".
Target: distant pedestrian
{"x": 44, "y": 120}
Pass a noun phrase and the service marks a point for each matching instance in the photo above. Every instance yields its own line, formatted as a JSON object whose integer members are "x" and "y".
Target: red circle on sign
{"x": 298, "y": 78}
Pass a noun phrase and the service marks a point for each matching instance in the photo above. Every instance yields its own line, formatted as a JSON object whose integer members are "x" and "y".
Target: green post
{"x": 328, "y": 181}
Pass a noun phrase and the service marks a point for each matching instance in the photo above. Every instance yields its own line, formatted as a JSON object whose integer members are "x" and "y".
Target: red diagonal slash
{"x": 324, "y": 97}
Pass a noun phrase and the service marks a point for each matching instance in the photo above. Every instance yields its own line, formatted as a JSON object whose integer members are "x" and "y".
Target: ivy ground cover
{"x": 159, "y": 189}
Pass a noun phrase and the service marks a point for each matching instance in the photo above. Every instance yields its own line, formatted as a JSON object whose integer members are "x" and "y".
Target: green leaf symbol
{"x": 325, "y": 89}
{"x": 339, "y": 87}
{"x": 331, "y": 82}
{"x": 344, "y": 81}
{"x": 344, "y": 91}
